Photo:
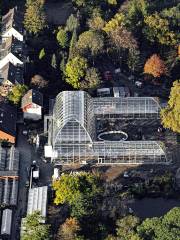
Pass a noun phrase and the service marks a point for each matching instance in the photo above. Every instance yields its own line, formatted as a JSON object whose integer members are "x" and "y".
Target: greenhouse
{"x": 73, "y": 130}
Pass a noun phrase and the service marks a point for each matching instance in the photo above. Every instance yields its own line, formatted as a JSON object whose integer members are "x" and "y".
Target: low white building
{"x": 37, "y": 200}
{"x": 6, "y": 222}
{"x": 32, "y": 104}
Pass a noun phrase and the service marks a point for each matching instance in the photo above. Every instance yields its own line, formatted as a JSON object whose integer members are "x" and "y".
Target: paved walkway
{"x": 27, "y": 155}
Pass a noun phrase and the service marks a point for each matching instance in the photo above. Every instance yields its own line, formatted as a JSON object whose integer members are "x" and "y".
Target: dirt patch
{"x": 108, "y": 172}
{"x": 57, "y": 13}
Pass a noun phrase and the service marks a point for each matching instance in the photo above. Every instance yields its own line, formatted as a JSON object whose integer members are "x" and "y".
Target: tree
{"x": 126, "y": 228}
{"x": 53, "y": 61}
{"x": 34, "y": 229}
{"x": 90, "y": 41}
{"x": 155, "y": 66}
{"x": 122, "y": 38}
{"x": 115, "y": 22}
{"x": 166, "y": 227}
{"x": 79, "y": 192}
{"x": 96, "y": 22}
{"x": 72, "y": 23}
{"x": 63, "y": 63}
{"x": 170, "y": 116}
{"x": 80, "y": 3}
{"x": 75, "y": 70}
{"x": 134, "y": 60}
{"x": 42, "y": 54}
{"x": 62, "y": 38}
{"x": 17, "y": 93}
{"x": 112, "y": 2}
{"x": 72, "y": 45}
{"x": 92, "y": 79}
{"x": 157, "y": 29}
{"x": 39, "y": 81}
{"x": 34, "y": 18}
{"x": 134, "y": 13}
{"x": 69, "y": 229}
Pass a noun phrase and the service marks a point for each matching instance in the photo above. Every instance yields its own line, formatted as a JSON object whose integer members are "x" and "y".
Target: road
{"x": 27, "y": 155}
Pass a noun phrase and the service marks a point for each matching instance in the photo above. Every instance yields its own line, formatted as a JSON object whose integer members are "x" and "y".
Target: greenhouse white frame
{"x": 72, "y": 130}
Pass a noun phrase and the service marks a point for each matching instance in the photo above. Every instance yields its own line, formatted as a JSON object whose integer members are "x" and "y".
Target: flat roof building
{"x": 6, "y": 222}
{"x": 37, "y": 200}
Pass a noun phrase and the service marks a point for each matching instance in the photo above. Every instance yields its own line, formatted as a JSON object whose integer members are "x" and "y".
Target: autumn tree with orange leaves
{"x": 155, "y": 66}
{"x": 69, "y": 230}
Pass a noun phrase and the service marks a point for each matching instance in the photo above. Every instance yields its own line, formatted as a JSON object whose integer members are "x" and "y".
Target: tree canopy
{"x": 17, "y": 93}
{"x": 34, "y": 18}
{"x": 157, "y": 29}
{"x": 75, "y": 70}
{"x": 155, "y": 66}
{"x": 165, "y": 227}
{"x": 62, "y": 38}
{"x": 69, "y": 230}
{"x": 91, "y": 80}
{"x": 90, "y": 42}
{"x": 42, "y": 54}
{"x": 78, "y": 191}
{"x": 170, "y": 116}
{"x": 34, "y": 229}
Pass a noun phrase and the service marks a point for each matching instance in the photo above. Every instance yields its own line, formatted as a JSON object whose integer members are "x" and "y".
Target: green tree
{"x": 75, "y": 70}
{"x": 63, "y": 63}
{"x": 72, "y": 45}
{"x": 126, "y": 228}
{"x": 79, "y": 192}
{"x": 72, "y": 23}
{"x": 34, "y": 229}
{"x": 134, "y": 13}
{"x": 112, "y": 2}
{"x": 115, "y": 22}
{"x": 42, "y": 54}
{"x": 92, "y": 79}
{"x": 53, "y": 61}
{"x": 173, "y": 16}
{"x": 34, "y": 18}
{"x": 170, "y": 116}
{"x": 17, "y": 92}
{"x": 96, "y": 22}
{"x": 157, "y": 30}
{"x": 134, "y": 60}
{"x": 166, "y": 227}
{"x": 80, "y": 3}
{"x": 62, "y": 38}
{"x": 90, "y": 42}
